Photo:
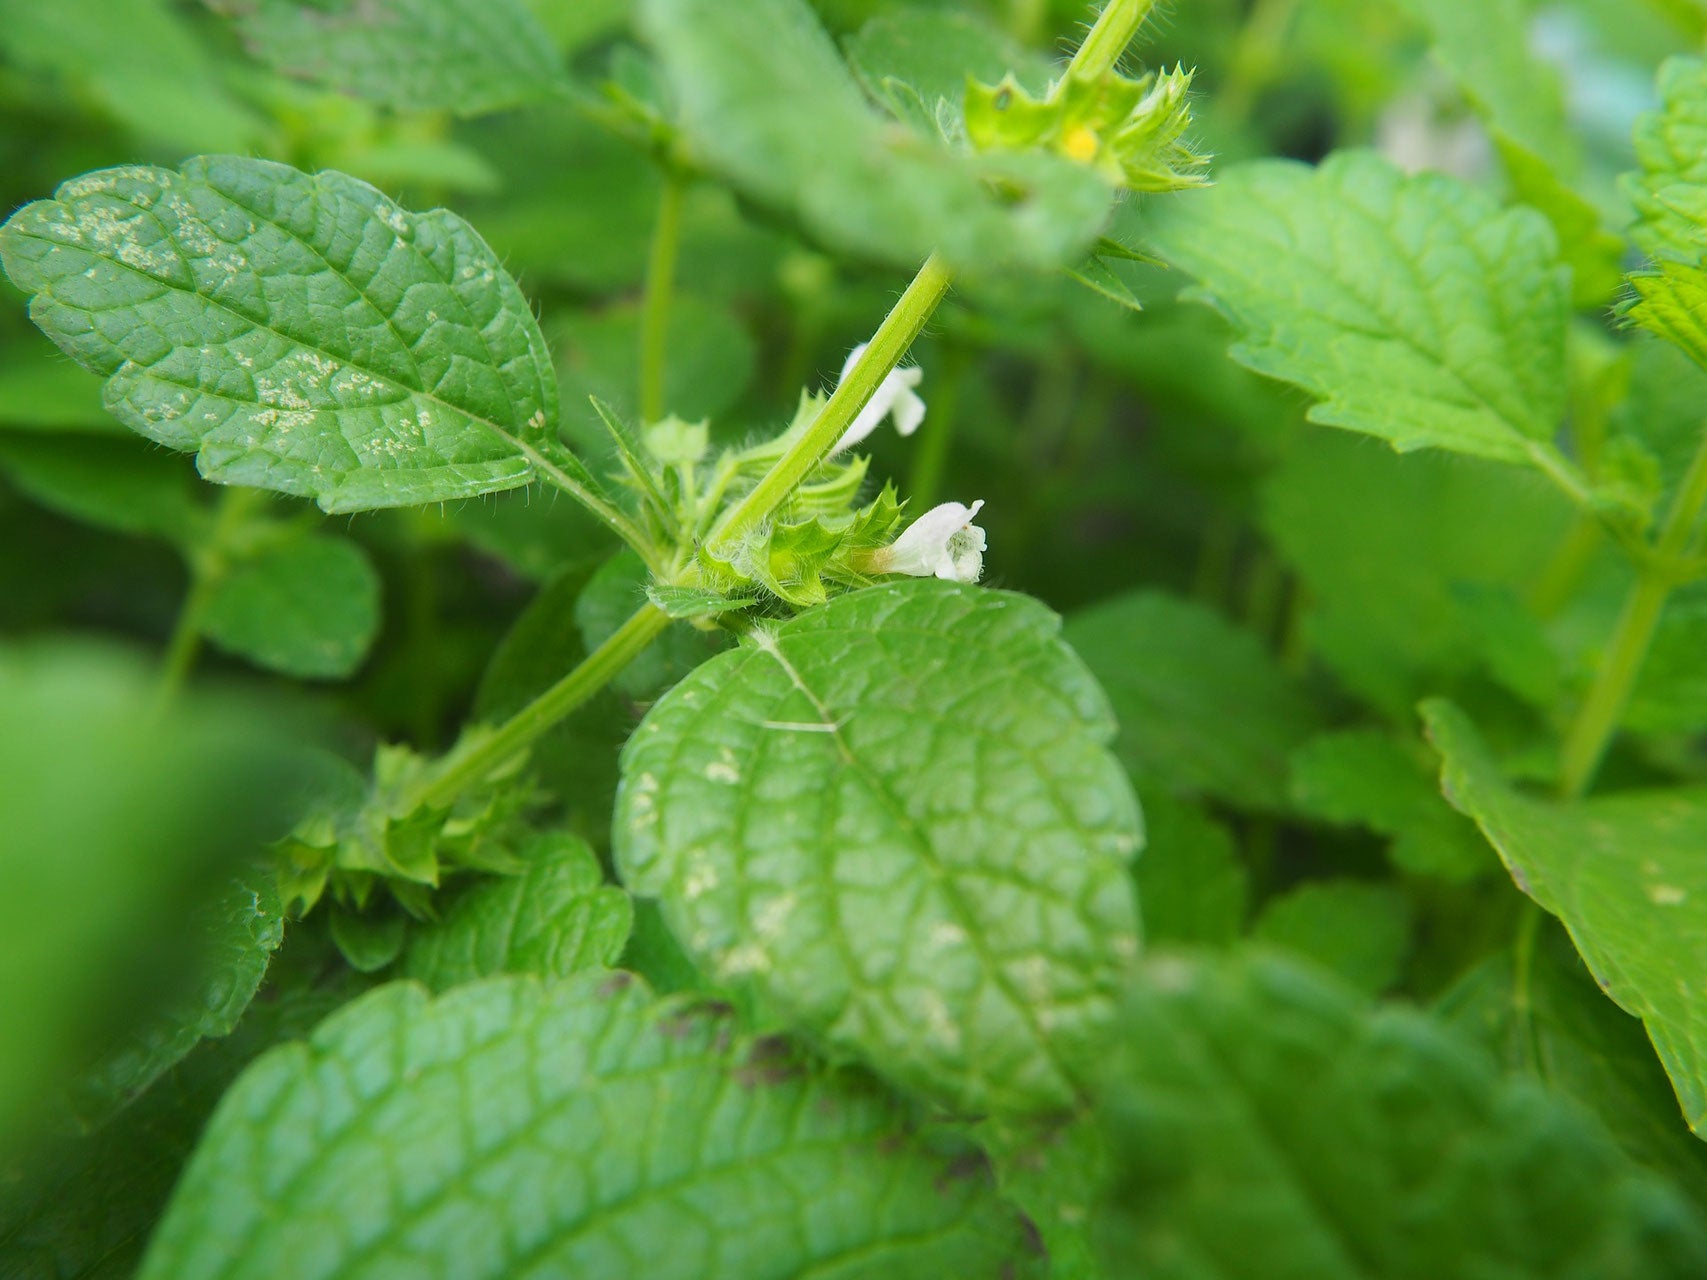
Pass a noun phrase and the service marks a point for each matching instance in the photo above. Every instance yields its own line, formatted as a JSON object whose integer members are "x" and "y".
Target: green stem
{"x": 660, "y": 282}
{"x": 485, "y": 755}
{"x": 1115, "y": 26}
{"x": 1657, "y": 575}
{"x": 888, "y": 345}
{"x": 208, "y": 566}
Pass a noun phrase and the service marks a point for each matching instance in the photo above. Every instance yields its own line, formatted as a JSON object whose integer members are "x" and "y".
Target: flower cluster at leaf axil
{"x": 821, "y": 541}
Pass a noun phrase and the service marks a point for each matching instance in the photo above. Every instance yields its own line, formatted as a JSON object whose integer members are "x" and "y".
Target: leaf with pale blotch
{"x": 302, "y": 333}
{"x": 554, "y": 919}
{"x": 894, "y": 823}
{"x": 515, "y": 1127}
{"x": 1270, "y": 1124}
{"x": 308, "y": 607}
{"x": 466, "y": 56}
{"x": 1412, "y": 308}
{"x": 1624, "y": 873}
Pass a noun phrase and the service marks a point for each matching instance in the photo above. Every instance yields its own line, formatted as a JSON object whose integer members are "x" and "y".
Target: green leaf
{"x": 712, "y": 361}
{"x": 1360, "y": 931}
{"x": 768, "y": 105}
{"x": 1486, "y": 46}
{"x": 917, "y": 62}
{"x": 466, "y": 56}
{"x": 40, "y": 392}
{"x": 894, "y": 824}
{"x": 1549, "y": 1016}
{"x": 1626, "y": 876}
{"x": 557, "y": 918}
{"x": 1055, "y": 1173}
{"x": 1385, "y": 546}
{"x": 236, "y": 935}
{"x": 1671, "y": 692}
{"x": 1670, "y": 191}
{"x": 302, "y": 332}
{"x": 1671, "y": 302}
{"x": 1413, "y": 308}
{"x": 141, "y": 62}
{"x": 1191, "y": 884}
{"x": 1371, "y": 778}
{"x": 84, "y": 1206}
{"x": 308, "y": 607}
{"x": 609, "y": 599}
{"x": 119, "y": 483}
{"x": 1203, "y": 709}
{"x": 117, "y": 819}
{"x": 567, "y": 1128}
{"x": 1267, "y": 1122}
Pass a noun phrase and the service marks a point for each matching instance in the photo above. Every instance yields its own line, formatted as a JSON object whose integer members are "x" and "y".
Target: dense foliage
{"x": 512, "y": 768}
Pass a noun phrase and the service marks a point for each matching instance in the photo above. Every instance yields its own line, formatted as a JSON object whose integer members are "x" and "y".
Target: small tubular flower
{"x": 943, "y": 542}
{"x": 894, "y": 397}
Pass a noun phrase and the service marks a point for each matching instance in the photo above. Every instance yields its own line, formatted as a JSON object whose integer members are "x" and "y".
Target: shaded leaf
{"x": 1203, "y": 709}
{"x": 466, "y": 56}
{"x": 1267, "y": 1122}
{"x": 308, "y": 607}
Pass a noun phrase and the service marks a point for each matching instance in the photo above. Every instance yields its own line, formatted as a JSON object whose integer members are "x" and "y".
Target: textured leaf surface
{"x": 1670, "y": 191}
{"x": 556, "y": 918}
{"x": 308, "y": 607}
{"x": 466, "y": 56}
{"x": 769, "y": 105}
{"x": 302, "y": 332}
{"x": 894, "y": 821}
{"x": 1267, "y": 1123}
{"x": 1412, "y": 308}
{"x": 517, "y": 1128}
{"x": 1626, "y": 876}
{"x": 1203, "y": 709}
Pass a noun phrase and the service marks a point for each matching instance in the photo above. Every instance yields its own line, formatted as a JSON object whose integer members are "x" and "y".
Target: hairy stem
{"x": 486, "y": 754}
{"x": 888, "y": 345}
{"x": 660, "y": 284}
{"x": 1657, "y": 575}
{"x": 1115, "y": 26}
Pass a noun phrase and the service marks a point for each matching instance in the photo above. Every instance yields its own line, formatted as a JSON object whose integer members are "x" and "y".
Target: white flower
{"x": 943, "y": 541}
{"x": 894, "y": 397}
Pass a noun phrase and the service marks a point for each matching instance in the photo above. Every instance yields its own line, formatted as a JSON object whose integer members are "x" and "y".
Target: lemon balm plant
{"x": 728, "y": 862}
